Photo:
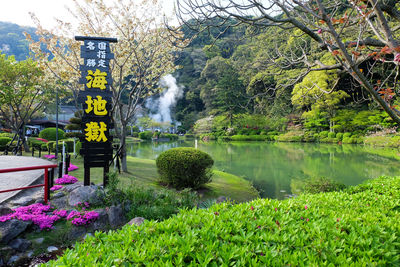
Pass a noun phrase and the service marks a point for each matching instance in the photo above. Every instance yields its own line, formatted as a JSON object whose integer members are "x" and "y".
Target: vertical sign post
{"x": 96, "y": 101}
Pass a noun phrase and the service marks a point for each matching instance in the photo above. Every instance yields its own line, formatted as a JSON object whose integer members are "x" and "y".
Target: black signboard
{"x": 96, "y": 102}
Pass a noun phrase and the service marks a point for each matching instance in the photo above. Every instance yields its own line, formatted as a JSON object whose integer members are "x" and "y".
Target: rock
{"x": 29, "y": 253}
{"x": 221, "y": 199}
{"x": 92, "y": 194}
{"x": 76, "y": 232}
{"x": 38, "y": 241}
{"x": 101, "y": 223}
{"x": 58, "y": 195}
{"x": 136, "y": 221}
{"x": 5, "y": 210}
{"x": 72, "y": 187}
{"x": 52, "y": 248}
{"x": 23, "y": 201}
{"x": 116, "y": 216}
{"x": 5, "y": 253}
{"x": 60, "y": 203}
{"x": 18, "y": 260}
{"x": 11, "y": 229}
{"x": 20, "y": 244}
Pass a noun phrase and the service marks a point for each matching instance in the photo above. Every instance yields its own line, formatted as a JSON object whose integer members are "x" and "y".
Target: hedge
{"x": 146, "y": 135}
{"x": 184, "y": 167}
{"x": 50, "y": 134}
{"x": 4, "y": 141}
{"x": 357, "y": 227}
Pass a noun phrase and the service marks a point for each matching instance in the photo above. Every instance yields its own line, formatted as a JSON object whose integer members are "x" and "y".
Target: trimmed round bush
{"x": 323, "y": 134}
{"x": 4, "y": 141}
{"x": 50, "y": 134}
{"x": 339, "y": 136}
{"x": 346, "y": 135}
{"x": 185, "y": 167}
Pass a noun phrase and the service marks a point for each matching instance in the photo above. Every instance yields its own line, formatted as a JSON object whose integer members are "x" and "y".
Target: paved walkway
{"x": 19, "y": 179}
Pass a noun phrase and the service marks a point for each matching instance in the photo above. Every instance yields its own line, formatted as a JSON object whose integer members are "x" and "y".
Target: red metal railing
{"x": 46, "y": 179}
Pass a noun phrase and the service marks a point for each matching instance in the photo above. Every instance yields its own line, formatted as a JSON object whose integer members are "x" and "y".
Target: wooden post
{"x": 86, "y": 178}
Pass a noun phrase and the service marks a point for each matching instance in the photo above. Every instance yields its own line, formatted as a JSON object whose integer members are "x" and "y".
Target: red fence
{"x": 46, "y": 184}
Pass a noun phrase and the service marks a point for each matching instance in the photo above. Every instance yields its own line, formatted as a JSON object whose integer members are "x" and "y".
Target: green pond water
{"x": 278, "y": 170}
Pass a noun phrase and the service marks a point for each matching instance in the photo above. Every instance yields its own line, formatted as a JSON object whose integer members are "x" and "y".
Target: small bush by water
{"x": 322, "y": 185}
{"x": 356, "y": 227}
{"x": 185, "y": 167}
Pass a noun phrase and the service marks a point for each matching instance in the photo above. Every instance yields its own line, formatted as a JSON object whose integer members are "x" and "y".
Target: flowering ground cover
{"x": 45, "y": 216}
{"x": 72, "y": 167}
{"x": 356, "y": 227}
{"x": 66, "y": 179}
{"x": 49, "y": 156}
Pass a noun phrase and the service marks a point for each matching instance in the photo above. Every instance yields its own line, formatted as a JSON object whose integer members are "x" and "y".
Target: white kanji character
{"x": 101, "y": 63}
{"x": 90, "y": 46}
{"x": 101, "y": 54}
{"x": 91, "y": 63}
{"x": 102, "y": 46}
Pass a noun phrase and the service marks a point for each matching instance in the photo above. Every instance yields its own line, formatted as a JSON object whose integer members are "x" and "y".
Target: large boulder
{"x": 136, "y": 221}
{"x": 101, "y": 223}
{"x": 60, "y": 203}
{"x": 20, "y": 244}
{"x": 93, "y": 194}
{"x": 116, "y": 216}
{"x": 11, "y": 229}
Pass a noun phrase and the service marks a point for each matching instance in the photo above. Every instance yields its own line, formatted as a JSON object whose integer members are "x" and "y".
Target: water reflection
{"x": 278, "y": 169}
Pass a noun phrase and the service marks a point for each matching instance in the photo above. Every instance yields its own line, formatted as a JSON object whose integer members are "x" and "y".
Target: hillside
{"x": 12, "y": 40}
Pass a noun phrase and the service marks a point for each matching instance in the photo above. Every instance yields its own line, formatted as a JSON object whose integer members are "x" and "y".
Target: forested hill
{"x": 12, "y": 39}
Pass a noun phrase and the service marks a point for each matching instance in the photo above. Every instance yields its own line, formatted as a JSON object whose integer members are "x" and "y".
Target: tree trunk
{"x": 122, "y": 145}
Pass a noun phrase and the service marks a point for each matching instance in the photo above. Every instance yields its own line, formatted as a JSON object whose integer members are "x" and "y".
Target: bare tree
{"x": 355, "y": 32}
{"x": 143, "y": 54}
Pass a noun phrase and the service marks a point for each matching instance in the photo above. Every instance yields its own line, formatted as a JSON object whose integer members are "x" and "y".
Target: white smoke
{"x": 161, "y": 108}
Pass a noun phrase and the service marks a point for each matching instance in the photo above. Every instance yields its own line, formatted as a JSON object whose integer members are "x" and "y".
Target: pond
{"x": 278, "y": 170}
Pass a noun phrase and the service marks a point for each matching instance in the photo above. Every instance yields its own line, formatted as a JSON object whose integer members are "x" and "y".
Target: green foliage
{"x": 250, "y": 138}
{"x": 331, "y": 135}
{"x": 171, "y": 137}
{"x": 264, "y": 232}
{"x": 339, "y": 136}
{"x": 4, "y": 141}
{"x": 146, "y": 135}
{"x": 322, "y": 185}
{"x": 34, "y": 143}
{"x": 189, "y": 136}
{"x": 184, "y": 167}
{"x": 291, "y": 136}
{"x": 69, "y": 145}
{"x": 323, "y": 134}
{"x": 148, "y": 202}
{"x": 9, "y": 135}
{"x": 50, "y": 134}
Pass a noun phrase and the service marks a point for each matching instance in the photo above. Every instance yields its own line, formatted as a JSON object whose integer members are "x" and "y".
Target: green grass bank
{"x": 144, "y": 172}
{"x": 359, "y": 226}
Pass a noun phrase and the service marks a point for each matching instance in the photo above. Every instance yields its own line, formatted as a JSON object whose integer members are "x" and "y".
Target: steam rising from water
{"x": 161, "y": 108}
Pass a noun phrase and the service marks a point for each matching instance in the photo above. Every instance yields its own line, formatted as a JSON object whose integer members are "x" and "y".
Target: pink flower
{"x": 66, "y": 179}
{"x": 319, "y": 31}
{"x": 305, "y": 207}
{"x": 72, "y": 167}
{"x": 397, "y": 58}
{"x": 50, "y": 156}
{"x": 43, "y": 140}
{"x": 56, "y": 187}
{"x": 308, "y": 220}
{"x": 276, "y": 209}
{"x": 252, "y": 208}
{"x": 338, "y": 219}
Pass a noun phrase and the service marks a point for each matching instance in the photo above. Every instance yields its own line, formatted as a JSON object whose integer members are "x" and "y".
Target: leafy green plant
{"x": 185, "y": 167}
{"x": 4, "y": 141}
{"x": 146, "y": 135}
{"x": 360, "y": 224}
{"x": 50, "y": 134}
{"x": 322, "y": 185}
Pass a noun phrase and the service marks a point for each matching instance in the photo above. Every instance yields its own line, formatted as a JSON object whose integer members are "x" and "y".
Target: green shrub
{"x": 292, "y": 136}
{"x": 184, "y": 167}
{"x": 9, "y": 135}
{"x": 169, "y": 136}
{"x": 74, "y": 135}
{"x": 146, "y": 135}
{"x": 189, "y": 136}
{"x": 322, "y": 185}
{"x": 44, "y": 147}
{"x": 4, "y": 141}
{"x": 34, "y": 143}
{"x": 331, "y": 135}
{"x": 346, "y": 135}
{"x": 323, "y": 134}
{"x": 156, "y": 134}
{"x": 249, "y": 138}
{"x": 360, "y": 224}
{"x": 135, "y": 134}
{"x": 348, "y": 140}
{"x": 69, "y": 145}
{"x": 50, "y": 134}
{"x": 339, "y": 136}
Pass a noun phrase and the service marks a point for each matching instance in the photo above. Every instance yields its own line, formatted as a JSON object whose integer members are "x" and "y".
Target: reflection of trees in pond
{"x": 283, "y": 166}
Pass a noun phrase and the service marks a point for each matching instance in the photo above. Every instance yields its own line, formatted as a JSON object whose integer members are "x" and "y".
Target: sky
{"x": 17, "y": 11}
